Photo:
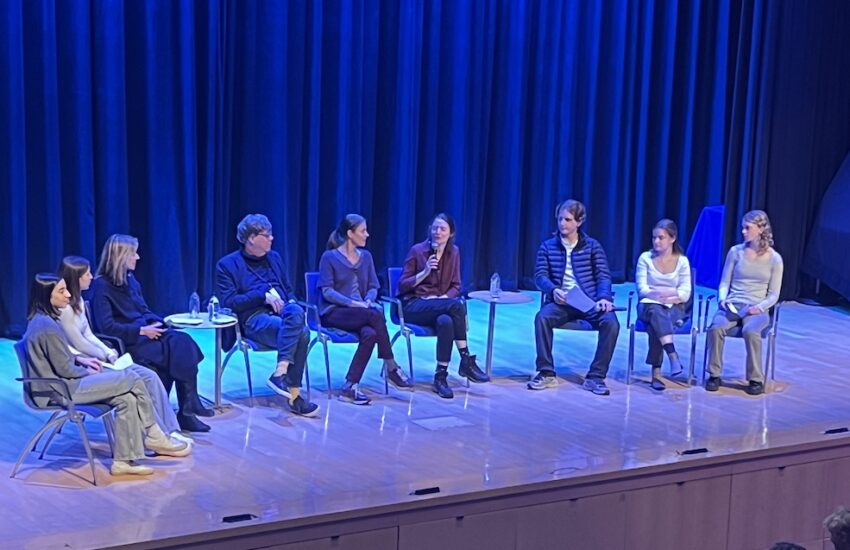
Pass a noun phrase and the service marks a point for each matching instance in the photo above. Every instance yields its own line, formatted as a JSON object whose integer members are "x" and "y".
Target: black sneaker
{"x": 302, "y": 408}
{"x": 190, "y": 423}
{"x": 279, "y": 386}
{"x": 350, "y": 393}
{"x": 713, "y": 383}
{"x": 399, "y": 379}
{"x": 470, "y": 370}
{"x": 441, "y": 385}
{"x": 755, "y": 388}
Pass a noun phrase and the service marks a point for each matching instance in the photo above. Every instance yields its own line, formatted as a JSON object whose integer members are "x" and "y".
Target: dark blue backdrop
{"x": 172, "y": 119}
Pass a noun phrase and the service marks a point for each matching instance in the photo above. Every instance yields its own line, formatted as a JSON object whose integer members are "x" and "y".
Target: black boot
{"x": 656, "y": 383}
{"x": 441, "y": 385}
{"x": 190, "y": 423}
{"x": 469, "y": 368}
{"x": 188, "y": 399}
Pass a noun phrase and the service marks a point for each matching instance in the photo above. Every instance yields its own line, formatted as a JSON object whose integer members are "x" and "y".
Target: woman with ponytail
{"x": 349, "y": 287}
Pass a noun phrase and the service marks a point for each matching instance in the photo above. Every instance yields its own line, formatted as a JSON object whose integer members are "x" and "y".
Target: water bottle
{"x": 495, "y": 286}
{"x": 212, "y": 307}
{"x": 194, "y": 305}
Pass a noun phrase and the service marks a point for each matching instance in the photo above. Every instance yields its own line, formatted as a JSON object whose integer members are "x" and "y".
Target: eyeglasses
{"x": 266, "y": 234}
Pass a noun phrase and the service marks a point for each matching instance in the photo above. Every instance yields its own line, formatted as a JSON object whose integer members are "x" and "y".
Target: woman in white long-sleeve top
{"x": 749, "y": 287}
{"x": 663, "y": 279}
{"x": 48, "y": 356}
{"x": 76, "y": 272}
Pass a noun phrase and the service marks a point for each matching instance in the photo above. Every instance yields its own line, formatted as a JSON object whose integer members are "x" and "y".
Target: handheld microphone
{"x": 434, "y": 247}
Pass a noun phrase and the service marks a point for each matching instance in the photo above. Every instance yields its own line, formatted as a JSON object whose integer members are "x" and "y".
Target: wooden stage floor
{"x": 265, "y": 462}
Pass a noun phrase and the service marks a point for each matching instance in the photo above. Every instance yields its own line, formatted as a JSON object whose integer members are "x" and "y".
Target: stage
{"x": 560, "y": 468}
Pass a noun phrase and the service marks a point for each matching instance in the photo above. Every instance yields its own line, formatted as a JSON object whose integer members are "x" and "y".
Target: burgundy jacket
{"x": 443, "y": 280}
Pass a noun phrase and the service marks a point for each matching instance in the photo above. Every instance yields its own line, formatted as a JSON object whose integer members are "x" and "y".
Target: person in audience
{"x": 252, "y": 282}
{"x": 349, "y": 289}
{"x": 749, "y": 287}
{"x": 571, "y": 259}
{"x": 663, "y": 279}
{"x": 838, "y": 525}
{"x": 49, "y": 356}
{"x": 119, "y": 310}
{"x": 429, "y": 289}
{"x": 76, "y": 272}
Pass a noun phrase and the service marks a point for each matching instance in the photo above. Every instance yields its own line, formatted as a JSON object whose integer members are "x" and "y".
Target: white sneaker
{"x": 164, "y": 445}
{"x": 120, "y": 468}
{"x": 181, "y": 437}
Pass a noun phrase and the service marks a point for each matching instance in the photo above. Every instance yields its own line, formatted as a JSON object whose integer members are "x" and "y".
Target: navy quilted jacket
{"x": 590, "y": 267}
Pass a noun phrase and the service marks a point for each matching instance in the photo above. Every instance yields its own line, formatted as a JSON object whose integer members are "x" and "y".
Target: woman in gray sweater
{"x": 749, "y": 287}
{"x": 349, "y": 289}
{"x": 48, "y": 356}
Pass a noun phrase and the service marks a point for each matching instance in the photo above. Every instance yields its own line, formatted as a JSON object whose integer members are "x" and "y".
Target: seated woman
{"x": 76, "y": 272}
{"x": 749, "y": 287}
{"x": 430, "y": 290}
{"x": 664, "y": 288}
{"x": 349, "y": 287}
{"x": 48, "y": 356}
{"x": 119, "y": 310}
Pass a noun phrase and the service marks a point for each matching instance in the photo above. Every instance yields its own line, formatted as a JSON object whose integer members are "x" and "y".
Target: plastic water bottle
{"x": 212, "y": 307}
{"x": 495, "y": 286}
{"x": 194, "y": 305}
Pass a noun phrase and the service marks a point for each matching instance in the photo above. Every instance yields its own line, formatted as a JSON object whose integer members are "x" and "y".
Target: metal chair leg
{"x": 50, "y": 438}
{"x": 631, "y": 363}
{"x": 85, "y": 437}
{"x": 692, "y": 365}
{"x": 30, "y": 446}
{"x": 248, "y": 375}
{"x": 327, "y": 367}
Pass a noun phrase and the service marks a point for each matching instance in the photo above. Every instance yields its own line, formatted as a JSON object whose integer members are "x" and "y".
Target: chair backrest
{"x": 311, "y": 282}
{"x": 21, "y": 351}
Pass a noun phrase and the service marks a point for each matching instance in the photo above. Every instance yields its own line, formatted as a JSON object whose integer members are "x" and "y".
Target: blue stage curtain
{"x": 171, "y": 120}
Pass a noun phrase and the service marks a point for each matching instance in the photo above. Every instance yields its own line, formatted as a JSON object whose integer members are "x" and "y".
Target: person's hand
{"x": 560, "y": 296}
{"x": 723, "y": 304}
{"x": 754, "y": 310}
{"x": 152, "y": 331}
{"x": 275, "y": 301}
{"x": 671, "y": 300}
{"x": 604, "y": 305}
{"x": 112, "y": 357}
{"x": 358, "y": 303}
{"x": 432, "y": 263}
{"x": 92, "y": 364}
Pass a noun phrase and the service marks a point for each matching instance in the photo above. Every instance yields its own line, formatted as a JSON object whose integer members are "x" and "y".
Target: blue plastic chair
{"x": 314, "y": 323}
{"x": 689, "y": 325}
{"x": 397, "y": 317}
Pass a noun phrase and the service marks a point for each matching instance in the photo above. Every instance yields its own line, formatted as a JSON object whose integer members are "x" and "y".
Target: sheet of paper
{"x": 579, "y": 300}
{"x": 121, "y": 363}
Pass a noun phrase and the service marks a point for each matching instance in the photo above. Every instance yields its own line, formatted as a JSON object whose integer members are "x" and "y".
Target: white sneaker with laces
{"x": 121, "y": 467}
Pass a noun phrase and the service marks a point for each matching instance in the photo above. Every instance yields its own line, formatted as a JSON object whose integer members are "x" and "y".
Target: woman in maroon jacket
{"x": 430, "y": 290}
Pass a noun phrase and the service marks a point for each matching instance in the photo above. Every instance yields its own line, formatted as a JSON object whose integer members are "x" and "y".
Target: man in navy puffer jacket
{"x": 573, "y": 259}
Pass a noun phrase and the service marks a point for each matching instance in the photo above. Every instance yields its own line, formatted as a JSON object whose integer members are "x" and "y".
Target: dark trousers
{"x": 285, "y": 332}
{"x": 174, "y": 354}
{"x": 371, "y": 328}
{"x": 660, "y": 321}
{"x": 554, "y": 315}
{"x": 446, "y": 315}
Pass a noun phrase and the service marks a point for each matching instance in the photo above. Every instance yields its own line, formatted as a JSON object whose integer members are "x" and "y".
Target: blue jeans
{"x": 285, "y": 332}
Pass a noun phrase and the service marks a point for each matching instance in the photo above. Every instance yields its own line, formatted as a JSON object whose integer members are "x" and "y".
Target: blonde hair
{"x": 759, "y": 219}
{"x": 113, "y": 259}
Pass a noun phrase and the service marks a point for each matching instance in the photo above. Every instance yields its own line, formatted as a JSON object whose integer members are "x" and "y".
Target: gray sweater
{"x": 48, "y": 356}
{"x": 751, "y": 282}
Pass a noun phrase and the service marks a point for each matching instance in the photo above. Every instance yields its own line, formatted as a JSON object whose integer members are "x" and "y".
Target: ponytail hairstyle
{"x": 339, "y": 235}
{"x": 670, "y": 227}
{"x": 72, "y": 269}
{"x": 759, "y": 219}
{"x": 41, "y": 288}
{"x": 574, "y": 207}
